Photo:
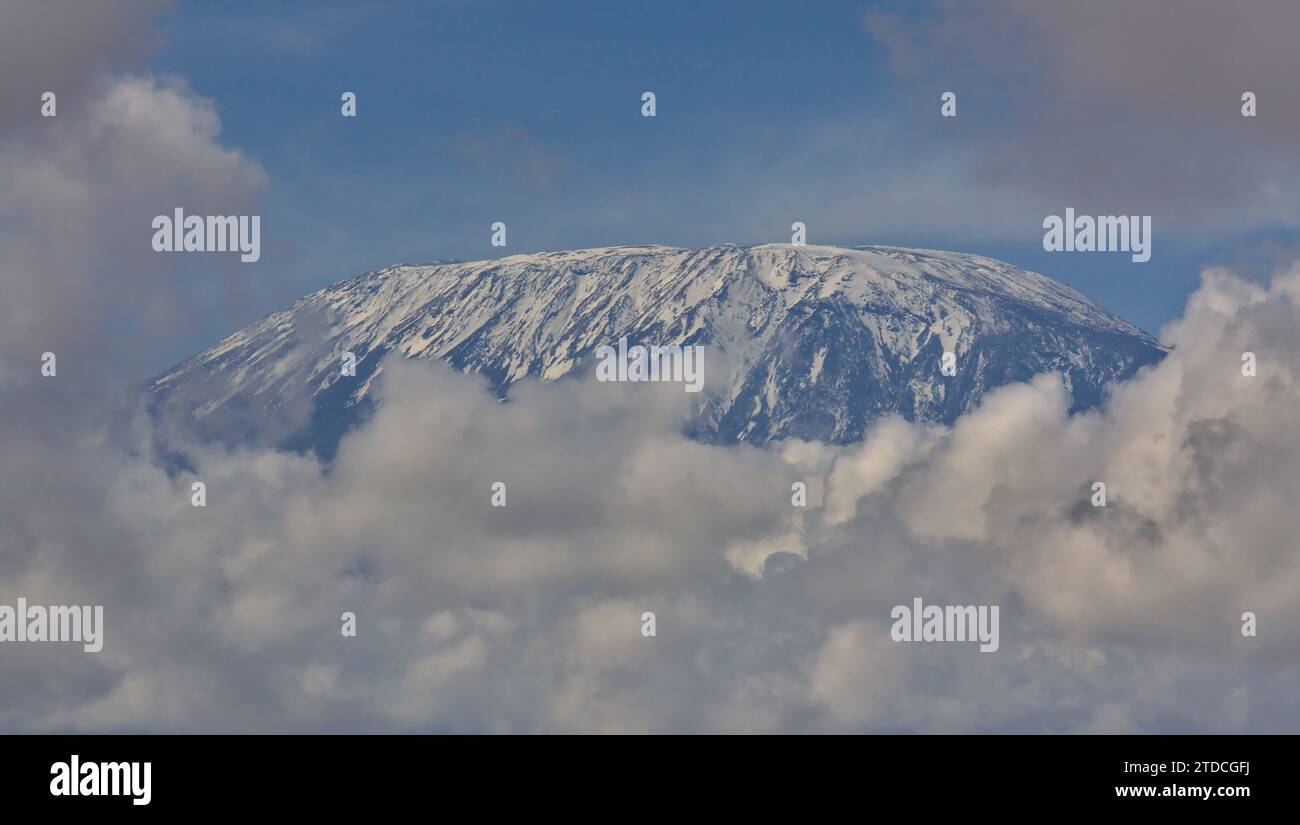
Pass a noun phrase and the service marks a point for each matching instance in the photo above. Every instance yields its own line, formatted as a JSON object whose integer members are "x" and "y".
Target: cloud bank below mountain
{"x": 769, "y": 617}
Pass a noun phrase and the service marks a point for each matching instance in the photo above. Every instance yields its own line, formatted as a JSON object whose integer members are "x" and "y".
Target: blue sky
{"x": 472, "y": 112}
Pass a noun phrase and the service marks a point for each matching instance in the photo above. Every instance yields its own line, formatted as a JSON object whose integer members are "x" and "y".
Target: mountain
{"x": 816, "y": 342}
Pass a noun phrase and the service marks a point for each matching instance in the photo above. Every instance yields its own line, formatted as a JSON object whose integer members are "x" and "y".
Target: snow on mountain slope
{"x": 820, "y": 340}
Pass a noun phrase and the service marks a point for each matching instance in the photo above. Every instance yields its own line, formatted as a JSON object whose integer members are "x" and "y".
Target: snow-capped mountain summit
{"x": 818, "y": 341}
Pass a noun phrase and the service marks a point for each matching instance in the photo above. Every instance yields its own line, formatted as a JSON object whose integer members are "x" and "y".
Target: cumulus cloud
{"x": 80, "y": 277}
{"x": 68, "y": 48}
{"x": 769, "y": 617}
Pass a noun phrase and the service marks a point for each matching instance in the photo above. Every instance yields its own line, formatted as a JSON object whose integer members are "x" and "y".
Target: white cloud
{"x": 81, "y": 279}
{"x": 528, "y": 618}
